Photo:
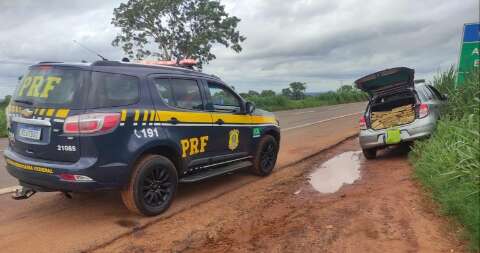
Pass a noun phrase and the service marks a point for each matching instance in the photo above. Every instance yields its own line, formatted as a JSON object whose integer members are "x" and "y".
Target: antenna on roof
{"x": 90, "y": 50}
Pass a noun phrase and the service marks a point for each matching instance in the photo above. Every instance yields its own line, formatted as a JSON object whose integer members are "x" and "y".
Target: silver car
{"x": 396, "y": 88}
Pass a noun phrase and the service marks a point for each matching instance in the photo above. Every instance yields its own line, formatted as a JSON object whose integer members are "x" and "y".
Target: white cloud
{"x": 323, "y": 43}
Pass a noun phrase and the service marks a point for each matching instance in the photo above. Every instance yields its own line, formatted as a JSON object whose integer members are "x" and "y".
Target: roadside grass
{"x": 448, "y": 164}
{"x": 3, "y": 119}
{"x": 279, "y": 102}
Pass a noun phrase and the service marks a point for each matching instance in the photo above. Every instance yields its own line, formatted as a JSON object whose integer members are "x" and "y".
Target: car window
{"x": 110, "y": 89}
{"x": 428, "y": 93}
{"x": 421, "y": 91}
{"x": 222, "y": 98}
{"x": 164, "y": 90}
{"x": 50, "y": 86}
{"x": 181, "y": 93}
{"x": 435, "y": 92}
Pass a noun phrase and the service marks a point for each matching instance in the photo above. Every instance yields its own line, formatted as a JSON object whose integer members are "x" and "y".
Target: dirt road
{"x": 383, "y": 211}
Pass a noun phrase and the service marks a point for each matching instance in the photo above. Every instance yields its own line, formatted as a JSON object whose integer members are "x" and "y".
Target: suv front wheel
{"x": 152, "y": 186}
{"x": 265, "y": 156}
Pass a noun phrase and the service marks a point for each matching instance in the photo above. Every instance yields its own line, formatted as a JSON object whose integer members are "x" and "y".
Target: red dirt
{"x": 384, "y": 211}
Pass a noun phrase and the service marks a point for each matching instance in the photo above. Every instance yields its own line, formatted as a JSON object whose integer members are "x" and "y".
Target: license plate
{"x": 30, "y": 133}
{"x": 393, "y": 136}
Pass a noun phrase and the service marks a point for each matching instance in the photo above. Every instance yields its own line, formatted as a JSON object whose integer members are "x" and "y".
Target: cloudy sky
{"x": 323, "y": 43}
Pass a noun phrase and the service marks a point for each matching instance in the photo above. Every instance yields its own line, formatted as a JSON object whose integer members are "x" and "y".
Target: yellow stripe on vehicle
{"x": 145, "y": 115}
{"x": 137, "y": 115}
{"x": 263, "y": 120}
{"x": 41, "y": 112}
{"x": 29, "y": 167}
{"x": 62, "y": 113}
{"x": 190, "y": 117}
{"x": 152, "y": 116}
{"x": 124, "y": 115}
{"x": 35, "y": 111}
{"x": 50, "y": 112}
{"x": 243, "y": 119}
{"x": 232, "y": 118}
{"x": 157, "y": 116}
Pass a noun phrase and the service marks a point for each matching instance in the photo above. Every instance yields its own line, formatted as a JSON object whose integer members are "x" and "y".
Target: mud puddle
{"x": 331, "y": 175}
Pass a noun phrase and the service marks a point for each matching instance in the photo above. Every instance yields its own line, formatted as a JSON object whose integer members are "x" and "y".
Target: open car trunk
{"x": 388, "y": 81}
{"x": 392, "y": 110}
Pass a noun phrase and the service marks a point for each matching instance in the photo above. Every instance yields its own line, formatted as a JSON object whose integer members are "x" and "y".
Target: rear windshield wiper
{"x": 23, "y": 101}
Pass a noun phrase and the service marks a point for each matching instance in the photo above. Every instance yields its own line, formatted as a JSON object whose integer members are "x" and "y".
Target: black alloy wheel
{"x": 265, "y": 156}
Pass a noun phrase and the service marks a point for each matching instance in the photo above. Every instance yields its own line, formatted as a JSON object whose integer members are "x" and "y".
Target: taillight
{"x": 93, "y": 123}
{"x": 422, "y": 111}
{"x": 74, "y": 178}
{"x": 363, "y": 123}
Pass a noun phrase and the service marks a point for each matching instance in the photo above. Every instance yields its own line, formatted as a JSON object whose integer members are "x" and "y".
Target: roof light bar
{"x": 184, "y": 62}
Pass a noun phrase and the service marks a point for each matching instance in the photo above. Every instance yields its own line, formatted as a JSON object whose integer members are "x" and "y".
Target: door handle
{"x": 173, "y": 121}
{"x": 219, "y": 122}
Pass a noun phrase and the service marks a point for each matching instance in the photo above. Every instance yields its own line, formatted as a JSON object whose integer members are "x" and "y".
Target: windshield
{"x": 47, "y": 85}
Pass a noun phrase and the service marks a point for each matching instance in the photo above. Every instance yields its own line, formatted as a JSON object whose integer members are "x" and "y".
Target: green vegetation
{"x": 3, "y": 119}
{"x": 448, "y": 164}
{"x": 295, "y": 97}
{"x": 175, "y": 29}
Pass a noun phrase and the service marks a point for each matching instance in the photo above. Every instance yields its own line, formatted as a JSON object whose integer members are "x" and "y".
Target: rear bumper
{"x": 420, "y": 128}
{"x": 43, "y": 176}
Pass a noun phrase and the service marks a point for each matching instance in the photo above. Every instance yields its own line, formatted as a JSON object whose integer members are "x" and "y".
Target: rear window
{"x": 110, "y": 90}
{"x": 49, "y": 86}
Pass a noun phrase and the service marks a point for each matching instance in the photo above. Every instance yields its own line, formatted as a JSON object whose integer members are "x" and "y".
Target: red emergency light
{"x": 181, "y": 63}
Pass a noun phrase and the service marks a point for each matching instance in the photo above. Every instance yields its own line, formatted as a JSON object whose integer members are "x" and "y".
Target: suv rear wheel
{"x": 152, "y": 186}
{"x": 370, "y": 153}
{"x": 265, "y": 156}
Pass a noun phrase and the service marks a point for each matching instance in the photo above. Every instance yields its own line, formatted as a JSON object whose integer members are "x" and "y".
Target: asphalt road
{"x": 49, "y": 222}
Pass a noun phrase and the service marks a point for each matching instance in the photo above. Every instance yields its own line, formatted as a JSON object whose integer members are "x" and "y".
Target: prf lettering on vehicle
{"x": 192, "y": 146}
{"x": 32, "y": 86}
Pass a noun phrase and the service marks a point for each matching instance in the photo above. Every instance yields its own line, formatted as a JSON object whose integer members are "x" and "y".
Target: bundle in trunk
{"x": 397, "y": 116}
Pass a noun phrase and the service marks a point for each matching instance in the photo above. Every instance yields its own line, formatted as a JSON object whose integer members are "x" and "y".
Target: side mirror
{"x": 249, "y": 107}
{"x": 445, "y": 97}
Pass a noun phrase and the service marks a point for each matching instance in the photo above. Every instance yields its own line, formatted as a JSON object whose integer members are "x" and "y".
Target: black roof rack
{"x": 107, "y": 63}
{"x": 45, "y": 62}
{"x": 140, "y": 65}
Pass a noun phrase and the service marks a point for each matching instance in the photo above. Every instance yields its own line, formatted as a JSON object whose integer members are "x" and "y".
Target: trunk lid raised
{"x": 387, "y": 81}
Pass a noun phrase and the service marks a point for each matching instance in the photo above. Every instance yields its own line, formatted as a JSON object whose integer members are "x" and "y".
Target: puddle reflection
{"x": 332, "y": 174}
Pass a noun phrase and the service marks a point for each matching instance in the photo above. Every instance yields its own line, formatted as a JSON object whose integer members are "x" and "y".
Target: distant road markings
{"x": 318, "y": 122}
{"x": 298, "y": 113}
{"x": 9, "y": 189}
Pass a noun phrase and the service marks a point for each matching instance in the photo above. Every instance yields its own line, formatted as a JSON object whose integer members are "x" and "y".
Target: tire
{"x": 370, "y": 153}
{"x": 265, "y": 156}
{"x": 152, "y": 186}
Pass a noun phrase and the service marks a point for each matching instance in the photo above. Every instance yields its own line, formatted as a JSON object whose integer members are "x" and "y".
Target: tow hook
{"x": 68, "y": 195}
{"x": 23, "y": 193}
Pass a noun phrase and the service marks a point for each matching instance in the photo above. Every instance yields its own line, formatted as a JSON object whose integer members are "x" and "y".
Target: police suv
{"x": 137, "y": 128}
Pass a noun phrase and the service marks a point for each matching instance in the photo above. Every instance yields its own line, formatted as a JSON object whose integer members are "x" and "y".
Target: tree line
{"x": 295, "y": 97}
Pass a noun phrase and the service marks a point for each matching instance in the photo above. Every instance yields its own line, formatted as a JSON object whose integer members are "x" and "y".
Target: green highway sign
{"x": 470, "y": 51}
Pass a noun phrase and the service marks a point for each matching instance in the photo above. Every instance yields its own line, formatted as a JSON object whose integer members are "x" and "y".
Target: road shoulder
{"x": 385, "y": 211}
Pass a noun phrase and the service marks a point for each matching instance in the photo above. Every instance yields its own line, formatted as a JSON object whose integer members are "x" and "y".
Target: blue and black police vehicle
{"x": 137, "y": 128}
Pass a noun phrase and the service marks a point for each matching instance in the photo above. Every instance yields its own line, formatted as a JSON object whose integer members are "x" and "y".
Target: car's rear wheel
{"x": 370, "y": 153}
{"x": 152, "y": 186}
{"x": 265, "y": 156}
